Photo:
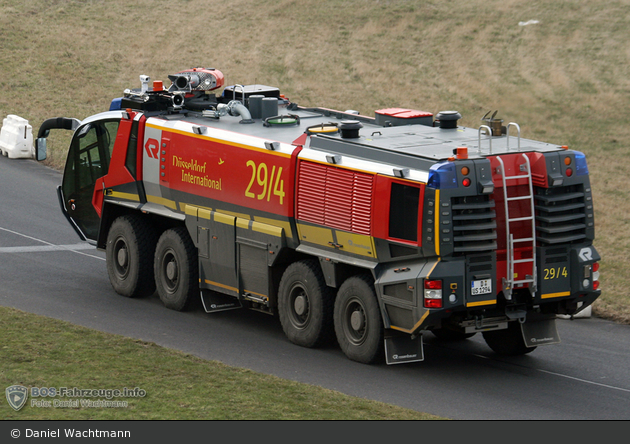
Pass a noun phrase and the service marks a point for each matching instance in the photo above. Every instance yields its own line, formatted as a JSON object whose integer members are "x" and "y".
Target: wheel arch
{"x": 112, "y": 211}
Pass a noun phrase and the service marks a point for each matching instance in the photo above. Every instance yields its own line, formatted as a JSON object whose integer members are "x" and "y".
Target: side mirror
{"x": 83, "y": 131}
{"x": 40, "y": 148}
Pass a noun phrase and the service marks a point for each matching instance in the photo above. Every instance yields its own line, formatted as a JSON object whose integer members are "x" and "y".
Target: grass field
{"x": 42, "y": 352}
{"x": 564, "y": 79}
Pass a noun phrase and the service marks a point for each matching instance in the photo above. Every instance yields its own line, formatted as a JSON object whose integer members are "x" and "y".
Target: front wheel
{"x": 129, "y": 255}
{"x": 358, "y": 322}
{"x": 508, "y": 341}
{"x": 176, "y": 269}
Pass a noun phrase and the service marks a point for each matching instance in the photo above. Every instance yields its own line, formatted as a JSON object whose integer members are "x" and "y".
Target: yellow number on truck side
{"x": 265, "y": 182}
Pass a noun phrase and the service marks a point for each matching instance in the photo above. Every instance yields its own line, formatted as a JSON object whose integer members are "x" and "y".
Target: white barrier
{"x": 586, "y": 313}
{"x": 16, "y": 138}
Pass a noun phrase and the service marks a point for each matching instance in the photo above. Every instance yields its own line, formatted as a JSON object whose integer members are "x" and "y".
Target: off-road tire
{"x": 358, "y": 322}
{"x": 129, "y": 255}
{"x": 305, "y": 304}
{"x": 176, "y": 270}
{"x": 508, "y": 341}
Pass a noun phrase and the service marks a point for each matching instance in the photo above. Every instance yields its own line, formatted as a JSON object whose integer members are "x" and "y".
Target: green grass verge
{"x": 43, "y": 352}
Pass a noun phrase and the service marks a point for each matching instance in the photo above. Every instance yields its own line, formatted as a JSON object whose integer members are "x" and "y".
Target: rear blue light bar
{"x": 580, "y": 164}
{"x": 443, "y": 175}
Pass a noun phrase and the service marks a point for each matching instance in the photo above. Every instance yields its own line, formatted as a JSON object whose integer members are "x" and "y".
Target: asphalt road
{"x": 45, "y": 269}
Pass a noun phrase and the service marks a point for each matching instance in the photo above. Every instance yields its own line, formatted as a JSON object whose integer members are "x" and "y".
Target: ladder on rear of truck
{"x": 522, "y": 242}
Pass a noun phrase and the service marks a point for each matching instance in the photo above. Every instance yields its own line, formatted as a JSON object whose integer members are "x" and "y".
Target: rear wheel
{"x": 358, "y": 322}
{"x": 176, "y": 269}
{"x": 305, "y": 304}
{"x": 129, "y": 255}
{"x": 508, "y": 341}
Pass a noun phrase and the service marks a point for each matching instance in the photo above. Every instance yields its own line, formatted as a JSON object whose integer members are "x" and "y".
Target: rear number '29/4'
{"x": 482, "y": 286}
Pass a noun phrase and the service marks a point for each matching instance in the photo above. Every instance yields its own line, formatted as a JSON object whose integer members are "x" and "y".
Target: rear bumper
{"x": 401, "y": 292}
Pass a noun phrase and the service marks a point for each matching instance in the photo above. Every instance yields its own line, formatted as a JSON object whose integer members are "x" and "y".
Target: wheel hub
{"x": 357, "y": 320}
{"x": 171, "y": 270}
{"x": 121, "y": 257}
{"x": 299, "y": 305}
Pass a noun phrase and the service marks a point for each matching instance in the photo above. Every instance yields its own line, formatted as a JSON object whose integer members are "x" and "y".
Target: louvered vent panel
{"x": 561, "y": 216}
{"x": 310, "y": 193}
{"x": 338, "y": 198}
{"x": 335, "y": 197}
{"x": 362, "y": 203}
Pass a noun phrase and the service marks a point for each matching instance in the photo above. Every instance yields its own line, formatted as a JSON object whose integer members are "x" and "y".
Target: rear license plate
{"x": 483, "y": 286}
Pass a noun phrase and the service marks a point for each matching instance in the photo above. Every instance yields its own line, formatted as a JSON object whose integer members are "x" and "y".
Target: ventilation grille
{"x": 335, "y": 197}
{"x": 560, "y": 215}
{"x": 474, "y": 224}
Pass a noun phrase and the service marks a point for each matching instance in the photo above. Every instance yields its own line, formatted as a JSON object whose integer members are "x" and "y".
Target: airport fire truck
{"x": 371, "y": 230}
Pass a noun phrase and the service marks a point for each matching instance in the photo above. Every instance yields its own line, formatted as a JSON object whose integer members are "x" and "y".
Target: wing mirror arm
{"x": 44, "y": 130}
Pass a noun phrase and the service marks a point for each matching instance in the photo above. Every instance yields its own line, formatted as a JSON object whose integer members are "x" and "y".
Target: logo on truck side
{"x": 153, "y": 147}
{"x": 586, "y": 254}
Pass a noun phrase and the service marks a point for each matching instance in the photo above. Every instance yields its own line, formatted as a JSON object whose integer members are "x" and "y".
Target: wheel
{"x": 305, "y": 304}
{"x": 507, "y": 342}
{"x": 446, "y": 334}
{"x": 358, "y": 322}
{"x": 129, "y": 256}
{"x": 176, "y": 269}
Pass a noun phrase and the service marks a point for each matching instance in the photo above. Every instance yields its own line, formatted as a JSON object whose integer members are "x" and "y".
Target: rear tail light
{"x": 433, "y": 293}
{"x": 591, "y": 273}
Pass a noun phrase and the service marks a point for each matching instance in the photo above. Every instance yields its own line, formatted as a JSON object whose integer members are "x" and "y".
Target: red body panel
{"x": 246, "y": 176}
{"x": 117, "y": 174}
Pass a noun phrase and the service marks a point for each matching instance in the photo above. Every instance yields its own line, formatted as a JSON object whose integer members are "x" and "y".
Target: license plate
{"x": 483, "y": 286}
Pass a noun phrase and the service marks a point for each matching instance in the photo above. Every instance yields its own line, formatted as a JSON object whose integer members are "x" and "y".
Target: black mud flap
{"x": 213, "y": 301}
{"x": 542, "y": 332}
{"x": 401, "y": 349}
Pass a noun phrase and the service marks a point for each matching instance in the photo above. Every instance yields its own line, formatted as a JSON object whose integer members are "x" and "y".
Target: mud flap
{"x": 213, "y": 302}
{"x": 542, "y": 332}
{"x": 402, "y": 349}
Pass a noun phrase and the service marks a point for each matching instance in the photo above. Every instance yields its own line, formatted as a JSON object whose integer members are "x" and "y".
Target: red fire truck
{"x": 371, "y": 229}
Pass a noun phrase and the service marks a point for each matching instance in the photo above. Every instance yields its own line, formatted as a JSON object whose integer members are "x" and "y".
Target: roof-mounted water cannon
{"x": 196, "y": 79}
{"x": 184, "y": 83}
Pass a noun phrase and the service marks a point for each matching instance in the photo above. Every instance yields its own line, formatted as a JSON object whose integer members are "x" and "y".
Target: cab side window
{"x": 90, "y": 153}
{"x": 403, "y": 212}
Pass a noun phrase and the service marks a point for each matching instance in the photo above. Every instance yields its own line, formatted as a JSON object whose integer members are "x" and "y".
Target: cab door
{"x": 88, "y": 159}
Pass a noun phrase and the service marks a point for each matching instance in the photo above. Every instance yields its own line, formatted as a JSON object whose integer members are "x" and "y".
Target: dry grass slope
{"x": 565, "y": 79}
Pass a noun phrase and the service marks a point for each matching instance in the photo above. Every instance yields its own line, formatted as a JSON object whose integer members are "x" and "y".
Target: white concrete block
{"x": 586, "y": 313}
{"x": 16, "y": 138}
